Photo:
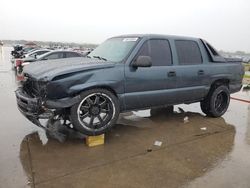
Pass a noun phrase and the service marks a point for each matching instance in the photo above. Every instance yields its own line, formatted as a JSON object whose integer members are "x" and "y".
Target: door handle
{"x": 201, "y": 72}
{"x": 171, "y": 74}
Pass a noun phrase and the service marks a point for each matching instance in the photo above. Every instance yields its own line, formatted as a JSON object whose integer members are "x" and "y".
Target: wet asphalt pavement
{"x": 217, "y": 156}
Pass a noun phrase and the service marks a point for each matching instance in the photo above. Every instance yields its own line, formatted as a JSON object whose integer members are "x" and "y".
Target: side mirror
{"x": 142, "y": 61}
{"x": 35, "y": 56}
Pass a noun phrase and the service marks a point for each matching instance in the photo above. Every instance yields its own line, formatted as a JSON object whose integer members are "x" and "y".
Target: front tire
{"x": 217, "y": 101}
{"x": 96, "y": 113}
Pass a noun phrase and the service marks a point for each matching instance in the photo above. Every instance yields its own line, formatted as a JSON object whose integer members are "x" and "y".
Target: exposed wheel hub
{"x": 95, "y": 110}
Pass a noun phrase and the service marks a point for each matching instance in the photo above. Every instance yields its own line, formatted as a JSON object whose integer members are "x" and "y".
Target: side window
{"x": 188, "y": 52}
{"x": 41, "y": 52}
{"x": 214, "y": 52}
{"x": 72, "y": 54}
{"x": 159, "y": 51}
{"x": 56, "y": 55}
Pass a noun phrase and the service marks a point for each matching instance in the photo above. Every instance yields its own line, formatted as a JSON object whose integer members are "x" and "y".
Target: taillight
{"x": 19, "y": 62}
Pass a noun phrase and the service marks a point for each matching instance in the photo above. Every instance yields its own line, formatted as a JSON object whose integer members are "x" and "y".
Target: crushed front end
{"x": 32, "y": 102}
{"x": 30, "y": 98}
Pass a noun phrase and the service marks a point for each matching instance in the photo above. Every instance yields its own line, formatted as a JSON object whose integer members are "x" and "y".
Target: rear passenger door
{"x": 148, "y": 86}
{"x": 191, "y": 68}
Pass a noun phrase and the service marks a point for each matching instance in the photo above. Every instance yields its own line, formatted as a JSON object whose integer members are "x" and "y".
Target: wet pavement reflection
{"x": 186, "y": 151}
{"x": 196, "y": 151}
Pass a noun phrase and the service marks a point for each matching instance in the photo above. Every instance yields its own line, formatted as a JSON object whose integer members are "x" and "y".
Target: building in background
{"x": 30, "y": 44}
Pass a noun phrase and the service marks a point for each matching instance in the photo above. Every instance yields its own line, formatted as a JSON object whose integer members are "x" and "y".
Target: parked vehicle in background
{"x": 246, "y": 60}
{"x": 17, "y": 52}
{"x": 127, "y": 73}
{"x": 33, "y": 54}
{"x": 29, "y": 49}
{"x": 56, "y": 54}
{"x": 36, "y": 53}
{"x": 85, "y": 52}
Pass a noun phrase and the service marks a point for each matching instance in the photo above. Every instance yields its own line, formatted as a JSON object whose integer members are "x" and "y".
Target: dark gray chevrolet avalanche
{"x": 126, "y": 73}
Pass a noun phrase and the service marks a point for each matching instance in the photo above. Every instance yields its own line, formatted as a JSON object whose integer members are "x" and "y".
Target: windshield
{"x": 114, "y": 49}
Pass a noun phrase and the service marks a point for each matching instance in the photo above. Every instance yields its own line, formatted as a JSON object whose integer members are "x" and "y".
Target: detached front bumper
{"x": 31, "y": 108}
{"x": 27, "y": 105}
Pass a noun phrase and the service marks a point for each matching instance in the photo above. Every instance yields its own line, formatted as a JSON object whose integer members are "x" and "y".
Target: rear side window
{"x": 72, "y": 54}
{"x": 188, "y": 52}
{"x": 55, "y": 55}
{"x": 214, "y": 52}
{"x": 159, "y": 51}
{"x": 41, "y": 52}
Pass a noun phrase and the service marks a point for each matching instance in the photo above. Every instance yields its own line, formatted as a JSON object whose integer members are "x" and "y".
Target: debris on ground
{"x": 203, "y": 128}
{"x": 149, "y": 150}
{"x": 28, "y": 183}
{"x": 181, "y": 110}
{"x": 158, "y": 143}
{"x": 186, "y": 119}
{"x": 204, "y": 169}
{"x": 117, "y": 135}
{"x": 247, "y": 87}
{"x": 61, "y": 132}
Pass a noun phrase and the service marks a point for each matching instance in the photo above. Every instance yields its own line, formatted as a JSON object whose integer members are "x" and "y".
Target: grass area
{"x": 246, "y": 76}
{"x": 247, "y": 66}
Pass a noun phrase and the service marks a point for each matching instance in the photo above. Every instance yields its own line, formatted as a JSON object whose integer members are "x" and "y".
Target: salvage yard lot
{"x": 193, "y": 152}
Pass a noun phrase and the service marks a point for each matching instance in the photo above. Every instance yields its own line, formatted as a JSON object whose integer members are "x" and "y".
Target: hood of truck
{"x": 47, "y": 70}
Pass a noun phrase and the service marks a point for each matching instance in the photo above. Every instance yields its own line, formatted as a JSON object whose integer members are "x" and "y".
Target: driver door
{"x": 148, "y": 86}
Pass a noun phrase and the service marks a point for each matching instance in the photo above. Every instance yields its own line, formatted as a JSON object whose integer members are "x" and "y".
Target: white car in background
{"x": 33, "y": 54}
{"x": 36, "y": 53}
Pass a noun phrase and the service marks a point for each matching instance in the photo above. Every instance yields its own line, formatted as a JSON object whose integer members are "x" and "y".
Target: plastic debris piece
{"x": 181, "y": 110}
{"x": 149, "y": 150}
{"x": 158, "y": 143}
{"x": 186, "y": 119}
{"x": 203, "y": 128}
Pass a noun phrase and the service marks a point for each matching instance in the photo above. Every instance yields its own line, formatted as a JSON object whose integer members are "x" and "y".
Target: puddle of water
{"x": 233, "y": 171}
{"x": 13, "y": 128}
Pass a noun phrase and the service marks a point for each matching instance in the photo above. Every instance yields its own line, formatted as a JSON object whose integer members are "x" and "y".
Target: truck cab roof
{"x": 158, "y": 36}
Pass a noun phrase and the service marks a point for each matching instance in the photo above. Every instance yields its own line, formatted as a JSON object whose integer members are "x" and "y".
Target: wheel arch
{"x": 218, "y": 82}
{"x": 108, "y": 92}
{"x": 99, "y": 87}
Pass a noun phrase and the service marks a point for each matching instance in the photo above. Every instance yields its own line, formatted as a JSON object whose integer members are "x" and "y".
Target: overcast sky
{"x": 224, "y": 23}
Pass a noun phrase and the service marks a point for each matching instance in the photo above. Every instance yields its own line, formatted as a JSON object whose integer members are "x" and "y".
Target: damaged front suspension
{"x": 57, "y": 127}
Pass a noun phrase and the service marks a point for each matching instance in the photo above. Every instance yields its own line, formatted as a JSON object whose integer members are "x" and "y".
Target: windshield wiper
{"x": 101, "y": 58}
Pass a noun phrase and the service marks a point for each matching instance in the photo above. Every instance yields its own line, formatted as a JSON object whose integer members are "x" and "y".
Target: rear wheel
{"x": 96, "y": 112}
{"x": 217, "y": 101}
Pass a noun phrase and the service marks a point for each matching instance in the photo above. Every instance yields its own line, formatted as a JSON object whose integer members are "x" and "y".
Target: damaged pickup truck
{"x": 127, "y": 73}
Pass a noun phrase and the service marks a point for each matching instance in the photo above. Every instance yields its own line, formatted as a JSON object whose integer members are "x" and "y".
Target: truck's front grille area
{"x": 31, "y": 87}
